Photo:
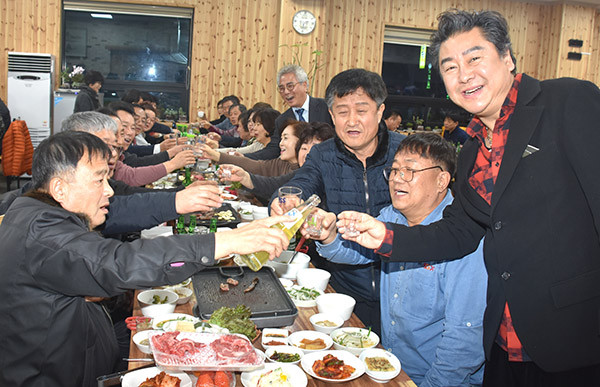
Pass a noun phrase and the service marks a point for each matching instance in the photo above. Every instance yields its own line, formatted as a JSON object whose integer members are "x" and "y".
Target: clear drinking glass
{"x": 289, "y": 197}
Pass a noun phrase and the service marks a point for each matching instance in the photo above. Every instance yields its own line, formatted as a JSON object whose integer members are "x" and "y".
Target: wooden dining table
{"x": 301, "y": 323}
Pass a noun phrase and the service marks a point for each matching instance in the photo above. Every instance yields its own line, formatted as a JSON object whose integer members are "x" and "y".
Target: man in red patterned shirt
{"x": 527, "y": 181}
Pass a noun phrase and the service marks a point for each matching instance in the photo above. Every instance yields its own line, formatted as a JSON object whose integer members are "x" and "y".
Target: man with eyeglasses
{"x": 432, "y": 312}
{"x": 292, "y": 84}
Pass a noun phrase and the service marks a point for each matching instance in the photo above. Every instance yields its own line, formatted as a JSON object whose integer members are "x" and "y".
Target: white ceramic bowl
{"x": 139, "y": 337}
{"x": 260, "y": 212}
{"x": 295, "y": 340}
{"x": 246, "y": 214}
{"x": 336, "y": 303}
{"x": 284, "y": 349}
{"x": 152, "y": 310}
{"x": 320, "y": 317}
{"x": 184, "y": 294}
{"x": 282, "y": 269}
{"x": 287, "y": 284}
{"x": 381, "y": 376}
{"x": 313, "y": 278}
{"x": 355, "y": 350}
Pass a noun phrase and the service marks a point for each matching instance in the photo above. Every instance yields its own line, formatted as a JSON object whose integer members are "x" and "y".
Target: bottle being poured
{"x": 256, "y": 260}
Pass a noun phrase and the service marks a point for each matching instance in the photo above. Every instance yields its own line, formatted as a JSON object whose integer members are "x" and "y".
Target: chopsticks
{"x": 141, "y": 359}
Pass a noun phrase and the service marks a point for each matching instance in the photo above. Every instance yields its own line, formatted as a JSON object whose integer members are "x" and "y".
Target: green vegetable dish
{"x": 283, "y": 357}
{"x": 157, "y": 300}
{"x": 303, "y": 294}
{"x": 237, "y": 320}
{"x": 354, "y": 339}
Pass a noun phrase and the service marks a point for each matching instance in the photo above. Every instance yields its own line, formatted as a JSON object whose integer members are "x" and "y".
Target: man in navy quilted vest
{"x": 347, "y": 173}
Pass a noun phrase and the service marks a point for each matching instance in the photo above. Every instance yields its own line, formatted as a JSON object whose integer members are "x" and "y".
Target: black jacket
{"x": 87, "y": 100}
{"x": 50, "y": 260}
{"x": 542, "y": 230}
{"x": 317, "y": 112}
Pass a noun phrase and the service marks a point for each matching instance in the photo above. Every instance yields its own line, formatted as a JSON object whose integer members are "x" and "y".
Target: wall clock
{"x": 304, "y": 22}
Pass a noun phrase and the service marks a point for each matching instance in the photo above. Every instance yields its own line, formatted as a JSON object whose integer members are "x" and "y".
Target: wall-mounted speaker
{"x": 575, "y": 43}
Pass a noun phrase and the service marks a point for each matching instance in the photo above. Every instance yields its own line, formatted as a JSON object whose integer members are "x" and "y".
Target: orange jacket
{"x": 17, "y": 151}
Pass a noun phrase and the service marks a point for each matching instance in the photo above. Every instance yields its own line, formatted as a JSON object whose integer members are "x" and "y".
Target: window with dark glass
{"x": 133, "y": 46}
{"x": 414, "y": 85}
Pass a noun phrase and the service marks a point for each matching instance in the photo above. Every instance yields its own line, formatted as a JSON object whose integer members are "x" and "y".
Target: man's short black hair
{"x": 347, "y": 82}
{"x": 431, "y": 146}
{"x": 235, "y": 100}
{"x": 239, "y": 106}
{"x": 147, "y": 97}
{"x": 387, "y": 113}
{"x": 92, "y": 77}
{"x": 453, "y": 115}
{"x": 132, "y": 96}
{"x": 122, "y": 105}
{"x": 108, "y": 111}
{"x": 454, "y": 21}
{"x": 59, "y": 154}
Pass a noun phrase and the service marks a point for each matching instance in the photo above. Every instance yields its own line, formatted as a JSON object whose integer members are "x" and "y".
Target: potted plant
{"x": 170, "y": 114}
{"x": 418, "y": 122}
{"x": 182, "y": 115}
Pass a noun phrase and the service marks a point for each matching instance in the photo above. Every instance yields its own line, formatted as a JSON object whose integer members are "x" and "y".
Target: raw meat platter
{"x": 192, "y": 351}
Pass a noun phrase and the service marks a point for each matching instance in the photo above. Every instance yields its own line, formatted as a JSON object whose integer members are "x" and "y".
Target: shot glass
{"x": 225, "y": 173}
{"x": 350, "y": 229}
{"x": 314, "y": 224}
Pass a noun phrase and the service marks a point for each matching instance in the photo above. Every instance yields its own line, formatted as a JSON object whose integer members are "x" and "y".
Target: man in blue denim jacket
{"x": 431, "y": 314}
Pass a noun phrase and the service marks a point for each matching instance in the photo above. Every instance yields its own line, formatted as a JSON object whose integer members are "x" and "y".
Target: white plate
{"x": 381, "y": 376}
{"x": 295, "y": 338}
{"x": 172, "y": 316}
{"x": 135, "y": 378}
{"x": 297, "y": 378}
{"x": 309, "y": 359}
{"x": 267, "y": 337}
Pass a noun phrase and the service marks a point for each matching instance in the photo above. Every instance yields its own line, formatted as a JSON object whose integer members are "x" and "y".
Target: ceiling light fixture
{"x": 101, "y": 15}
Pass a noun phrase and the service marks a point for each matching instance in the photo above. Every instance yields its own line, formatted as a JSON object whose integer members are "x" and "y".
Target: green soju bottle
{"x": 192, "y": 227}
{"x": 180, "y": 227}
{"x": 256, "y": 260}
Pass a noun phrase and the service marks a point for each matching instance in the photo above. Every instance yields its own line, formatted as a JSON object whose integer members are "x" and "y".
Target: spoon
{"x": 297, "y": 249}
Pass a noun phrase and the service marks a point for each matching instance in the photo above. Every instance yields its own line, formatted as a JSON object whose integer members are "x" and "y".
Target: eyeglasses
{"x": 289, "y": 86}
{"x": 406, "y": 173}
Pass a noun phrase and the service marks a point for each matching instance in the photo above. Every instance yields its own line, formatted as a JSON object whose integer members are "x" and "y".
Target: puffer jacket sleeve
{"x": 130, "y": 213}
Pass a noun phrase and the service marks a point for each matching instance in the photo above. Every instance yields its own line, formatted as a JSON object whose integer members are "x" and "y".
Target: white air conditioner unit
{"x": 30, "y": 85}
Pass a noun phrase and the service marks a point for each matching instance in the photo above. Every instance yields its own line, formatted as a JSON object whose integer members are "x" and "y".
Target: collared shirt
{"x": 305, "y": 107}
{"x": 431, "y": 318}
{"x": 482, "y": 179}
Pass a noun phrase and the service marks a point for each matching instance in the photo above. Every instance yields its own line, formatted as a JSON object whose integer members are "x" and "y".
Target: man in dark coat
{"x": 292, "y": 84}
{"x": 527, "y": 180}
{"x": 87, "y": 99}
{"x": 53, "y": 267}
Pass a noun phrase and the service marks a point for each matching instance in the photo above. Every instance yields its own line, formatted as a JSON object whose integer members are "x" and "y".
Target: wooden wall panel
{"x": 238, "y": 45}
{"x": 594, "y": 67}
{"x": 577, "y": 23}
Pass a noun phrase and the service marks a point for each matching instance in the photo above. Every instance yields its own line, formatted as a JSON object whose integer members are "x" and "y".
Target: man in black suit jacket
{"x": 292, "y": 83}
{"x": 527, "y": 181}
